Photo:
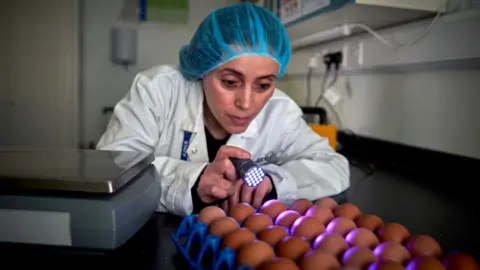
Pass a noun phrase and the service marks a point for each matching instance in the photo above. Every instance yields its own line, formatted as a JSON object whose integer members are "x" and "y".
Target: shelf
{"x": 439, "y": 50}
{"x": 325, "y": 15}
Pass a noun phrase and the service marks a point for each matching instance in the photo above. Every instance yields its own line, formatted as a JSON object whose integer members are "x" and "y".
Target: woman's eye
{"x": 264, "y": 86}
{"x": 228, "y": 83}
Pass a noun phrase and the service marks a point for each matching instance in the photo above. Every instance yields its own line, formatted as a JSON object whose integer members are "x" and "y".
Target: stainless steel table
{"x": 75, "y": 198}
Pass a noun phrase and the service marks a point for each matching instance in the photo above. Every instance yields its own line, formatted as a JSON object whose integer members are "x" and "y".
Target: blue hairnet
{"x": 231, "y": 32}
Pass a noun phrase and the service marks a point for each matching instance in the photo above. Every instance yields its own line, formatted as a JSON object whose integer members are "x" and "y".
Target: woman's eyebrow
{"x": 231, "y": 70}
{"x": 269, "y": 76}
{"x": 238, "y": 73}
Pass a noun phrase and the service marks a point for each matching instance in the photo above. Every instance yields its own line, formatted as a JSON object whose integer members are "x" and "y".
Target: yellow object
{"x": 327, "y": 131}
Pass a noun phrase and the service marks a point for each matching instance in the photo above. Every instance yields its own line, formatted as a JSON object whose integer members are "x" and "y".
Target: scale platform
{"x": 89, "y": 199}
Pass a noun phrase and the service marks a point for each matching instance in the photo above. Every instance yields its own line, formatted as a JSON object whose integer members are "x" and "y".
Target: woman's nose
{"x": 243, "y": 99}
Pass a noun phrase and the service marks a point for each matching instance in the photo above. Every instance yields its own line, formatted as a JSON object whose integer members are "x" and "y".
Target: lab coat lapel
{"x": 193, "y": 123}
{"x": 240, "y": 140}
{"x": 194, "y": 109}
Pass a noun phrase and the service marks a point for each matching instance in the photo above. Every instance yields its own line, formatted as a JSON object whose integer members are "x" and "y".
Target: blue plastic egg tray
{"x": 201, "y": 250}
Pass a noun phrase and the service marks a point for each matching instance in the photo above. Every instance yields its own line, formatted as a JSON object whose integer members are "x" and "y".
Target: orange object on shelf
{"x": 327, "y": 131}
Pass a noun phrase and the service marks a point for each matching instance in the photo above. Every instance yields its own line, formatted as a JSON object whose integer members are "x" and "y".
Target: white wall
{"x": 104, "y": 83}
{"x": 3, "y": 70}
{"x": 430, "y": 108}
{"x": 436, "y": 110}
{"x": 38, "y": 73}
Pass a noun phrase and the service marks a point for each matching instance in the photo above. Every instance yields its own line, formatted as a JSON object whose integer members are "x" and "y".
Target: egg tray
{"x": 204, "y": 251}
{"x": 201, "y": 250}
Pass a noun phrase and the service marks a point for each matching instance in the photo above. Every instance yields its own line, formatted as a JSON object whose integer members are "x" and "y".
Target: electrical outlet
{"x": 351, "y": 53}
{"x": 359, "y": 52}
{"x": 346, "y": 56}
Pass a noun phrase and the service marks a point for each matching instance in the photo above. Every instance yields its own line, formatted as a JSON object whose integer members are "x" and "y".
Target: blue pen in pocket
{"x": 185, "y": 143}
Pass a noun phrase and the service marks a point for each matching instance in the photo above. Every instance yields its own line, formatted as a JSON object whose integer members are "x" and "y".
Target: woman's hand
{"x": 218, "y": 178}
{"x": 245, "y": 194}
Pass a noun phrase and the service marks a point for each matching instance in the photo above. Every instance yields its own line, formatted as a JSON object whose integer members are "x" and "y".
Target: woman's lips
{"x": 239, "y": 120}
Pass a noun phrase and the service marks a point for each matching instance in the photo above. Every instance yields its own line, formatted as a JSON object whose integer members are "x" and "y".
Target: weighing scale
{"x": 75, "y": 198}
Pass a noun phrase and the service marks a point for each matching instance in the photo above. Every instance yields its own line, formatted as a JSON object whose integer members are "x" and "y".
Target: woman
{"x": 222, "y": 103}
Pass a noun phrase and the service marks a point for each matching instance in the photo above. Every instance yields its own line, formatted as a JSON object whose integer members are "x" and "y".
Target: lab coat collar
{"x": 193, "y": 118}
{"x": 252, "y": 130}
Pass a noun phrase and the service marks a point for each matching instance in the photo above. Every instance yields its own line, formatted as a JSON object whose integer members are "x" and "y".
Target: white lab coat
{"x": 162, "y": 105}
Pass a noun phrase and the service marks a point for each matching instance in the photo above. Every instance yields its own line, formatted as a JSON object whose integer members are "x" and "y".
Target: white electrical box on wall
{"x": 123, "y": 42}
{"x": 304, "y": 18}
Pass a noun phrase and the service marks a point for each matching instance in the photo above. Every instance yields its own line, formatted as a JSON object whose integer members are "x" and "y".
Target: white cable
{"x": 347, "y": 30}
{"x": 336, "y": 114}
{"x": 324, "y": 88}
{"x": 392, "y": 43}
{"x": 349, "y": 27}
{"x": 313, "y": 64}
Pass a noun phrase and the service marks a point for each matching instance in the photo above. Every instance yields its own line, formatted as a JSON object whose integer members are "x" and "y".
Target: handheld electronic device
{"x": 251, "y": 173}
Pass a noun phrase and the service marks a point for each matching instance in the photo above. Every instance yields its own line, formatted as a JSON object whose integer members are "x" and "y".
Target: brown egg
{"x": 254, "y": 254}
{"x": 257, "y": 222}
{"x": 272, "y": 234}
{"x": 319, "y": 260}
{"x": 237, "y": 238}
{"x": 348, "y": 210}
{"x": 241, "y": 211}
{"x": 209, "y": 214}
{"x": 425, "y": 263}
{"x": 423, "y": 246}
{"x": 273, "y": 208}
{"x": 360, "y": 257}
{"x": 460, "y": 261}
{"x": 308, "y": 227}
{"x": 362, "y": 237}
{"x": 392, "y": 251}
{"x": 386, "y": 265}
{"x": 223, "y": 226}
{"x": 279, "y": 263}
{"x": 341, "y": 225}
{"x": 301, "y": 206}
{"x": 370, "y": 222}
{"x": 327, "y": 203}
{"x": 393, "y": 232}
{"x": 333, "y": 243}
{"x": 293, "y": 247}
{"x": 324, "y": 215}
{"x": 287, "y": 218}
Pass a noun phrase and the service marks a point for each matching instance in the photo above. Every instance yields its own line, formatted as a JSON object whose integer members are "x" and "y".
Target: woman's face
{"x": 237, "y": 91}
